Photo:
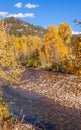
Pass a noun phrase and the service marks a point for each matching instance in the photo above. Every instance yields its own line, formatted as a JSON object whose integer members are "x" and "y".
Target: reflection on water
{"x": 39, "y": 110}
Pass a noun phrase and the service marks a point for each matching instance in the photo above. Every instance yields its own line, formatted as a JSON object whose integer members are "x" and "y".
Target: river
{"x": 48, "y": 100}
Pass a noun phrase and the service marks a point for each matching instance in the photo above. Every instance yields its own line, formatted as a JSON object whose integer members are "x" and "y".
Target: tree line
{"x": 58, "y": 50}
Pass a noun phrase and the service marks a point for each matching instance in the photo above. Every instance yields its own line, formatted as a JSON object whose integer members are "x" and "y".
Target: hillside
{"x": 18, "y": 28}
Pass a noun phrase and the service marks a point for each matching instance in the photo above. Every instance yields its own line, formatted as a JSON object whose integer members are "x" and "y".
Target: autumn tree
{"x": 65, "y": 33}
{"x": 76, "y": 53}
{"x": 20, "y": 47}
{"x": 34, "y": 44}
{"x": 8, "y": 65}
{"x": 53, "y": 49}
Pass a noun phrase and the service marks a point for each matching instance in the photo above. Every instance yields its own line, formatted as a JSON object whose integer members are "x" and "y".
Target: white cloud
{"x": 30, "y": 6}
{"x": 18, "y": 5}
{"x": 21, "y": 15}
{"x": 76, "y": 32}
{"x": 3, "y": 14}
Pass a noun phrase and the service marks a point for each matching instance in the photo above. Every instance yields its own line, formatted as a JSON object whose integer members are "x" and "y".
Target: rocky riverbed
{"x": 49, "y": 100}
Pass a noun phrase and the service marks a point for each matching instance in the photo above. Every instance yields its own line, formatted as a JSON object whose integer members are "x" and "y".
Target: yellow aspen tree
{"x": 34, "y": 48}
{"x": 76, "y": 54}
{"x": 20, "y": 48}
{"x": 54, "y": 49}
{"x": 8, "y": 66}
{"x": 65, "y": 33}
{"x": 50, "y": 40}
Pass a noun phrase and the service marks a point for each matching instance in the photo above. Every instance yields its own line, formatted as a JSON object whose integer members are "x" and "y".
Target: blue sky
{"x": 43, "y": 12}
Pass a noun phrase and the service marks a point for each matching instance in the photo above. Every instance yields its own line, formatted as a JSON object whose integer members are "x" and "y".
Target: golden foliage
{"x": 65, "y": 33}
{"x": 55, "y": 48}
{"x": 9, "y": 69}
